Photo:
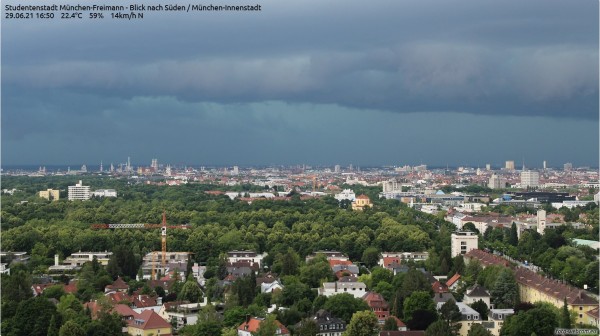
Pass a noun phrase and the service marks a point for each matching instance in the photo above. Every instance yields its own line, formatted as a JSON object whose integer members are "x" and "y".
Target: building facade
{"x": 463, "y": 242}
{"x": 79, "y": 192}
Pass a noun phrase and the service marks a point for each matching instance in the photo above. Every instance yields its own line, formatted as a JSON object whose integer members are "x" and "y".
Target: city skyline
{"x": 438, "y": 83}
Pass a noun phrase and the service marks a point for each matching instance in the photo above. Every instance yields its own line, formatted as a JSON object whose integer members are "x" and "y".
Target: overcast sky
{"x": 315, "y": 82}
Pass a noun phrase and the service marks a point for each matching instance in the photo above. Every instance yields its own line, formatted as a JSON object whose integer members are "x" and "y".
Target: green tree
{"x": 505, "y": 292}
{"x": 190, "y": 291}
{"x": 390, "y": 324}
{"x": 287, "y": 263}
{"x": 370, "y": 256}
{"x": 438, "y": 328}
{"x": 71, "y": 328}
{"x": 542, "y": 320}
{"x": 418, "y": 300}
{"x": 234, "y": 316}
{"x": 450, "y": 313}
{"x": 513, "y": 238}
{"x": 565, "y": 316}
{"x": 344, "y": 306}
{"x": 482, "y": 308}
{"x": 267, "y": 327}
{"x": 53, "y": 327}
{"x": 478, "y": 330}
{"x": 381, "y": 274}
{"x": 363, "y": 323}
{"x": 308, "y": 327}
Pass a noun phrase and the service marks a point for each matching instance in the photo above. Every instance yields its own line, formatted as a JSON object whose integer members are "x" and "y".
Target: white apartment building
{"x": 79, "y": 192}
{"x": 80, "y": 258}
{"x": 356, "y": 289}
{"x": 105, "y": 193}
{"x": 346, "y": 194}
{"x": 530, "y": 179}
{"x": 463, "y": 242}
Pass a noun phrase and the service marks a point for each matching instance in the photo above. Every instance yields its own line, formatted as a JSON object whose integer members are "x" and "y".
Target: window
{"x": 468, "y": 317}
{"x": 580, "y": 308}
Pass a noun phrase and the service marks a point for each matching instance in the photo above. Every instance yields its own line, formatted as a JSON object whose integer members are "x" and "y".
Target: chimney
{"x": 159, "y": 301}
{"x": 247, "y": 318}
{"x": 56, "y": 260}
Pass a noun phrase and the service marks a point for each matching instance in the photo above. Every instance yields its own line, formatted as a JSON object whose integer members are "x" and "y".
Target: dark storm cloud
{"x": 270, "y": 87}
{"x": 537, "y": 58}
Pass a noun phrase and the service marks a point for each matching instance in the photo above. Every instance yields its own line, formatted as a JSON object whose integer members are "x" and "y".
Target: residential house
{"x": 439, "y": 287}
{"x": 148, "y": 323}
{"x": 327, "y": 324}
{"x": 251, "y": 325}
{"x": 357, "y": 289}
{"x": 248, "y": 256}
{"x": 267, "y": 287}
{"x": 453, "y": 282}
{"x": 378, "y": 306}
{"x": 117, "y": 286}
{"x": 496, "y": 318}
{"x": 328, "y": 255}
{"x": 180, "y": 313}
{"x": 468, "y": 317}
{"x": 476, "y": 293}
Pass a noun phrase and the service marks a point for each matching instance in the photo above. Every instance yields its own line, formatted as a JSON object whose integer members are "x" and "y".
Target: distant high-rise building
{"x": 337, "y": 169}
{"x": 84, "y": 169}
{"x": 112, "y": 167}
{"x": 79, "y": 192}
{"x": 496, "y": 182}
{"x": 350, "y": 168}
{"x": 154, "y": 164}
{"x": 488, "y": 166}
{"x": 568, "y": 166}
{"x": 530, "y": 179}
{"x": 510, "y": 165}
{"x": 101, "y": 167}
{"x": 391, "y": 186}
{"x": 168, "y": 170}
{"x": 236, "y": 170}
{"x": 545, "y": 166}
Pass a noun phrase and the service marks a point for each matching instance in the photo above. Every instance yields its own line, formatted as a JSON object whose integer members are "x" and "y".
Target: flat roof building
{"x": 462, "y": 242}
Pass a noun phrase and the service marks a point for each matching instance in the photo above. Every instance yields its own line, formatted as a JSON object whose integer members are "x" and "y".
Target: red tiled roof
{"x": 254, "y": 324}
{"x": 143, "y": 301}
{"x": 71, "y": 287}
{"x": 149, "y": 320}
{"x": 363, "y": 196}
{"x": 439, "y": 287}
{"x": 39, "y": 288}
{"x": 487, "y": 259}
{"x": 390, "y": 261}
{"x": 453, "y": 279}
{"x": 595, "y": 313}
{"x": 118, "y": 297}
{"x": 375, "y": 300}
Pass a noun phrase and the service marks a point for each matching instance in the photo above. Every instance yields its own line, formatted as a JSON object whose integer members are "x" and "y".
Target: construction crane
{"x": 163, "y": 236}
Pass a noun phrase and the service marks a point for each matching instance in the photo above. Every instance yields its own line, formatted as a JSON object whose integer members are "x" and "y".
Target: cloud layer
{"x": 505, "y": 59}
